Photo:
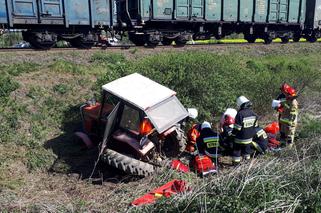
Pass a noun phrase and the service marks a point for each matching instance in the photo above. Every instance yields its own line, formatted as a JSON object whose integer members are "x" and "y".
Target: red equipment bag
{"x": 167, "y": 190}
{"x": 204, "y": 165}
{"x": 179, "y": 166}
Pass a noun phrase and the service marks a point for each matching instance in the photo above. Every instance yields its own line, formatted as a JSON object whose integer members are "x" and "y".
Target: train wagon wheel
{"x": 268, "y": 40}
{"x": 285, "y": 40}
{"x": 40, "y": 40}
{"x": 251, "y": 40}
{"x": 296, "y": 38}
{"x": 167, "y": 42}
{"x": 79, "y": 42}
{"x": 180, "y": 42}
{"x": 312, "y": 39}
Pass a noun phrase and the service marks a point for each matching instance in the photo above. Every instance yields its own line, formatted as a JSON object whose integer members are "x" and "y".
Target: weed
{"x": 67, "y": 67}
{"x": 103, "y": 58}
{"x": 61, "y": 89}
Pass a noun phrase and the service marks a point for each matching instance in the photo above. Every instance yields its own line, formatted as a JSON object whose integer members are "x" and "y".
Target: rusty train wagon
{"x": 151, "y": 21}
{"x": 47, "y": 21}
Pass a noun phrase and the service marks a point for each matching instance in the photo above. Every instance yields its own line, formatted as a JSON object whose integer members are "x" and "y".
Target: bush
{"x": 212, "y": 82}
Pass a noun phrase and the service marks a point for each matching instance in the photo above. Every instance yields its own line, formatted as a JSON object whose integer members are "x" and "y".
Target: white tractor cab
{"x": 138, "y": 124}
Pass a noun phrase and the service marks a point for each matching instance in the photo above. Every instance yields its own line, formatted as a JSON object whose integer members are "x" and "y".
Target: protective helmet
{"x": 287, "y": 90}
{"x": 229, "y": 120}
{"x": 205, "y": 125}
{"x": 193, "y": 113}
{"x": 242, "y": 100}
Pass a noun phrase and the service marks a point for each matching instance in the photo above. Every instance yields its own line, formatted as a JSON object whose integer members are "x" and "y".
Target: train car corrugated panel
{"x": 230, "y": 10}
{"x": 182, "y": 9}
{"x": 102, "y": 11}
{"x": 273, "y": 11}
{"x": 161, "y": 9}
{"x": 284, "y": 10}
{"x": 51, "y": 8}
{"x": 302, "y": 11}
{"x": 145, "y": 9}
{"x": 294, "y": 11}
{"x": 3, "y": 12}
{"x": 26, "y": 8}
{"x": 78, "y": 12}
{"x": 213, "y": 10}
{"x": 309, "y": 18}
{"x": 246, "y": 10}
{"x": 197, "y": 10}
{"x": 261, "y": 11}
{"x": 317, "y": 15}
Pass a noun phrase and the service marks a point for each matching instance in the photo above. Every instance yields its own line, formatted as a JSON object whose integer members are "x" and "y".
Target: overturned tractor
{"x": 137, "y": 124}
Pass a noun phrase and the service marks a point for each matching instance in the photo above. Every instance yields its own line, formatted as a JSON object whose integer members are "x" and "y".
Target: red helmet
{"x": 287, "y": 90}
{"x": 229, "y": 120}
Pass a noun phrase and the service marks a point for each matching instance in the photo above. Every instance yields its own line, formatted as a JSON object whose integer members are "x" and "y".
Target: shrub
{"x": 212, "y": 82}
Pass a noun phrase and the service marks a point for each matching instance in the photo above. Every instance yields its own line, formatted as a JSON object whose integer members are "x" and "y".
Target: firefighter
{"x": 288, "y": 114}
{"x": 260, "y": 141}
{"x": 244, "y": 130}
{"x": 226, "y": 136}
{"x": 208, "y": 141}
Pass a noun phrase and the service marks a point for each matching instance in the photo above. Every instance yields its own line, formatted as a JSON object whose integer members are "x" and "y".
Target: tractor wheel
{"x": 175, "y": 143}
{"x": 127, "y": 164}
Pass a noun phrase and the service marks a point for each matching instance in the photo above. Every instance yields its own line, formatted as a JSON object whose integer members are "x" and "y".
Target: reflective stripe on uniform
{"x": 257, "y": 147}
{"x": 243, "y": 141}
{"x": 236, "y": 159}
{"x": 260, "y": 133}
{"x": 285, "y": 121}
{"x": 237, "y": 127}
{"x": 211, "y": 142}
{"x": 249, "y": 122}
{"x": 212, "y": 155}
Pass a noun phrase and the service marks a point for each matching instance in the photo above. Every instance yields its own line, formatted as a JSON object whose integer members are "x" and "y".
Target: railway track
{"x": 124, "y": 47}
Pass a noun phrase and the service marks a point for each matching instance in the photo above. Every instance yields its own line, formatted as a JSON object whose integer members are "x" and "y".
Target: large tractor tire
{"x": 127, "y": 164}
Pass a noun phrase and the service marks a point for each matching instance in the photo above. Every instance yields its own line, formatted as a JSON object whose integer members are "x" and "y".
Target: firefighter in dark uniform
{"x": 244, "y": 130}
{"x": 260, "y": 141}
{"x": 226, "y": 136}
{"x": 208, "y": 141}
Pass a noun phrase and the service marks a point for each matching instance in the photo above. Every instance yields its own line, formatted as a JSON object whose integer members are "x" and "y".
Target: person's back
{"x": 244, "y": 130}
{"x": 208, "y": 142}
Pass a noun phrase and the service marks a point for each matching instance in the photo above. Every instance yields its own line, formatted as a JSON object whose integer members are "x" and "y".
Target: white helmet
{"x": 205, "y": 125}
{"x": 241, "y": 100}
{"x": 193, "y": 113}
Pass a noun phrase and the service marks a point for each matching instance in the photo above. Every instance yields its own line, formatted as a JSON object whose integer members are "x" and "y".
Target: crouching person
{"x": 208, "y": 141}
{"x": 260, "y": 141}
{"x": 244, "y": 130}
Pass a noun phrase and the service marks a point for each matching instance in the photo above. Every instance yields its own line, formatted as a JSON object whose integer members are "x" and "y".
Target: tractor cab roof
{"x": 139, "y": 91}
{"x": 158, "y": 102}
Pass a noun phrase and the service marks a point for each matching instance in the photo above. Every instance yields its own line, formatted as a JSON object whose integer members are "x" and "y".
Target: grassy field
{"x": 43, "y": 169}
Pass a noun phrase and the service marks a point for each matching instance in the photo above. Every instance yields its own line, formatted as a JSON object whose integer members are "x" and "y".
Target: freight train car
{"x": 47, "y": 21}
{"x": 152, "y": 21}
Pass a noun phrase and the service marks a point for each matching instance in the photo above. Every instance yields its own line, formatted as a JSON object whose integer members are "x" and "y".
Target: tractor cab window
{"x": 109, "y": 103}
{"x": 130, "y": 120}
